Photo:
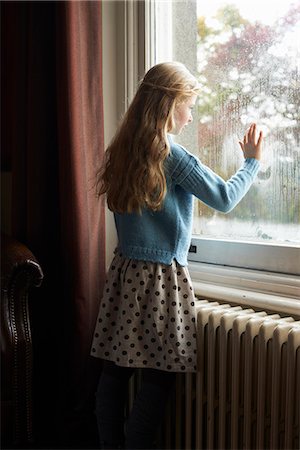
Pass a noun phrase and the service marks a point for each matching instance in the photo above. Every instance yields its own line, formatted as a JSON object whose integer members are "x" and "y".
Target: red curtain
{"x": 53, "y": 143}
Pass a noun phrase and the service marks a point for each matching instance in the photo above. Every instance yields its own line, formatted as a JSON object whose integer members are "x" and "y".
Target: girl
{"x": 147, "y": 318}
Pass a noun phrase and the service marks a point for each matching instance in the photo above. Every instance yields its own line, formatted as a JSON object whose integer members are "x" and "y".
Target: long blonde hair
{"x": 132, "y": 175}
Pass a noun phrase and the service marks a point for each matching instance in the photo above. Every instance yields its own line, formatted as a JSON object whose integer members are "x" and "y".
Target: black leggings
{"x": 147, "y": 411}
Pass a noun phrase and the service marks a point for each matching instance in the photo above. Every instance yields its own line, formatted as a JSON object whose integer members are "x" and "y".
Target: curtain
{"x": 53, "y": 144}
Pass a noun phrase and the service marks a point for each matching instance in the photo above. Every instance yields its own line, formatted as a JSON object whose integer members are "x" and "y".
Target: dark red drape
{"x": 53, "y": 140}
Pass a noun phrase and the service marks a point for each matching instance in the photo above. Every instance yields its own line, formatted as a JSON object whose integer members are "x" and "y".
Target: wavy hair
{"x": 132, "y": 176}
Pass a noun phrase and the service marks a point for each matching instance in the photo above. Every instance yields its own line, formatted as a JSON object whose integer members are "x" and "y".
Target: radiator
{"x": 246, "y": 393}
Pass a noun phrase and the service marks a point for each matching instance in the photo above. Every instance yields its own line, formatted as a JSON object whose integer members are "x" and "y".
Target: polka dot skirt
{"x": 147, "y": 316}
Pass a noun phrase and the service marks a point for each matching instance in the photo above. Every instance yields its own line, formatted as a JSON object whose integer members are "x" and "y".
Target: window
{"x": 247, "y": 61}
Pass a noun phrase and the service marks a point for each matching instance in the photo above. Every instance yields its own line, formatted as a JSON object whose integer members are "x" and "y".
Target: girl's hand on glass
{"x": 251, "y": 146}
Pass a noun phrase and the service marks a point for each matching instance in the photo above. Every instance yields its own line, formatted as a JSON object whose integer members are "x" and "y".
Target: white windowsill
{"x": 262, "y": 290}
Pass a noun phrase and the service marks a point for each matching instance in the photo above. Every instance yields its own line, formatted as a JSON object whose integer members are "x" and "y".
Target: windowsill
{"x": 261, "y": 290}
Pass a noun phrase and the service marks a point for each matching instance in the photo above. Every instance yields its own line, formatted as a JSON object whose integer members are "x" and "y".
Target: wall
{"x": 110, "y": 70}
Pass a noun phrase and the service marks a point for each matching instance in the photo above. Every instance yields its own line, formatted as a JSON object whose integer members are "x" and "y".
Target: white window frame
{"x": 273, "y": 282}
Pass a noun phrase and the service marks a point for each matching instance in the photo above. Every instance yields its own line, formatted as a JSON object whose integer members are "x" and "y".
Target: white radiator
{"x": 246, "y": 393}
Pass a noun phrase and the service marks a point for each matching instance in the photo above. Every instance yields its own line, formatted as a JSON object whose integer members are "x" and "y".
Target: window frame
{"x": 266, "y": 285}
{"x": 272, "y": 257}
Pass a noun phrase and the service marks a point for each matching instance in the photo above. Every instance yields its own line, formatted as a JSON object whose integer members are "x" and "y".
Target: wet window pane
{"x": 247, "y": 59}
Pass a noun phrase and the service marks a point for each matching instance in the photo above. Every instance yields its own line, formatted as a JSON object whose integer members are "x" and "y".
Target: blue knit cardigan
{"x": 165, "y": 235}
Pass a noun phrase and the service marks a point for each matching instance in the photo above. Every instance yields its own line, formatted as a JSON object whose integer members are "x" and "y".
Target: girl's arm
{"x": 213, "y": 190}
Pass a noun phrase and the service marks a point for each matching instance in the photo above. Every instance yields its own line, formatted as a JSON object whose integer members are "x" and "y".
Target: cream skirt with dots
{"x": 147, "y": 316}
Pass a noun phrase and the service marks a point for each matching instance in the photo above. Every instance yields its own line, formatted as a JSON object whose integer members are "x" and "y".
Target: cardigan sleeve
{"x": 187, "y": 171}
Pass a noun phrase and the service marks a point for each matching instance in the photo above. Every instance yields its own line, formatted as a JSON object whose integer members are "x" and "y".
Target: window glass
{"x": 246, "y": 56}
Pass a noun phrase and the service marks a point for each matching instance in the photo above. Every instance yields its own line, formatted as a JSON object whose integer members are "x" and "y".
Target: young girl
{"x": 147, "y": 318}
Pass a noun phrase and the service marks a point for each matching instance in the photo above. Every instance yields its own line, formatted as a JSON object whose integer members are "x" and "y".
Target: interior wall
{"x": 110, "y": 105}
